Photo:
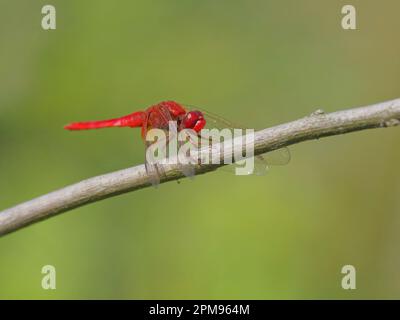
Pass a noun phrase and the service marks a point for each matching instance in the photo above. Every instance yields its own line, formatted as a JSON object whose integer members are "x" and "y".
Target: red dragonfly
{"x": 159, "y": 116}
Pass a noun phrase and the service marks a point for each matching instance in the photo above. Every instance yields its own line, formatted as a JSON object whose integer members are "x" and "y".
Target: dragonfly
{"x": 162, "y": 115}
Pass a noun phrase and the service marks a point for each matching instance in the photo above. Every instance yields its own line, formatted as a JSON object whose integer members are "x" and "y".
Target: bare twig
{"x": 315, "y": 126}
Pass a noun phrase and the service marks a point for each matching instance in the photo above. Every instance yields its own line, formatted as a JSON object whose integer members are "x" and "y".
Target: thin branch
{"x": 315, "y": 126}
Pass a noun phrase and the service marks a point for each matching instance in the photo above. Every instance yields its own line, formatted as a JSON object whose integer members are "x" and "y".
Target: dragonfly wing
{"x": 260, "y": 167}
{"x": 278, "y": 157}
{"x": 151, "y": 168}
{"x": 164, "y": 122}
{"x": 153, "y": 172}
{"x": 261, "y": 162}
{"x": 187, "y": 169}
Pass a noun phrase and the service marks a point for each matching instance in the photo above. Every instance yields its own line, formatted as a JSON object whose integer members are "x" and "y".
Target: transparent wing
{"x": 261, "y": 162}
{"x": 279, "y": 157}
{"x": 187, "y": 169}
{"x": 155, "y": 169}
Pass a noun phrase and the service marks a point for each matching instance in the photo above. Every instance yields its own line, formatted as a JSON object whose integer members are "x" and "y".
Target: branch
{"x": 315, "y": 126}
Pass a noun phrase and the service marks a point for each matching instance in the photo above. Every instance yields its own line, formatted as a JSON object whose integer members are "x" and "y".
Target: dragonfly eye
{"x": 194, "y": 120}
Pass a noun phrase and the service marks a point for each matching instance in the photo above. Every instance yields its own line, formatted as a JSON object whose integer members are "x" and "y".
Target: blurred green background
{"x": 260, "y": 63}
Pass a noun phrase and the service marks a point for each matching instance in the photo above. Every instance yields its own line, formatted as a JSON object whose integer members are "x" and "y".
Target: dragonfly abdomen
{"x": 131, "y": 120}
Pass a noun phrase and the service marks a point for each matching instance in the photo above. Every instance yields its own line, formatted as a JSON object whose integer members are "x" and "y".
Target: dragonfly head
{"x": 194, "y": 120}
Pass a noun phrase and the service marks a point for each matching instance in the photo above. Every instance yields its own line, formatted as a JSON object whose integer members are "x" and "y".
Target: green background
{"x": 260, "y": 63}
